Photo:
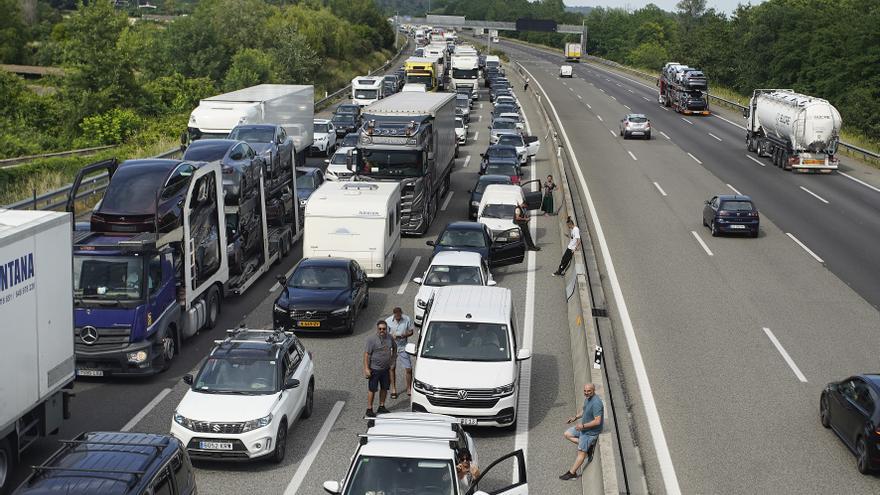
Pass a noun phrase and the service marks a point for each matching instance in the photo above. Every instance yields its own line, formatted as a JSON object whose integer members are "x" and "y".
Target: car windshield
{"x": 419, "y": 79}
{"x": 737, "y": 206}
{"x": 638, "y": 120}
{"x": 504, "y": 124}
{"x": 338, "y": 159}
{"x": 499, "y": 211}
{"x": 463, "y": 238}
{"x": 203, "y": 151}
{"x": 321, "y": 128}
{"x": 107, "y": 278}
{"x": 385, "y": 475}
{"x": 465, "y": 341}
{"x": 501, "y": 169}
{"x": 235, "y": 375}
{"x": 305, "y": 181}
{"x": 343, "y": 118}
{"x": 133, "y": 190}
{"x": 481, "y": 185}
{"x": 320, "y": 277}
{"x": 350, "y": 140}
{"x": 347, "y": 109}
{"x": 366, "y": 94}
{"x": 253, "y": 134}
{"x": 511, "y": 140}
{"x": 464, "y": 73}
{"x": 442, "y": 275}
{"x": 502, "y": 152}
{"x": 462, "y": 102}
{"x": 459, "y": 124}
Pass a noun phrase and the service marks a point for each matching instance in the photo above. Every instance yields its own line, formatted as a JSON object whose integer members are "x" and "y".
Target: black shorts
{"x": 379, "y": 378}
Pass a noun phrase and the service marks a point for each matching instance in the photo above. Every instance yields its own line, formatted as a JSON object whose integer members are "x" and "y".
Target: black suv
{"x": 114, "y": 463}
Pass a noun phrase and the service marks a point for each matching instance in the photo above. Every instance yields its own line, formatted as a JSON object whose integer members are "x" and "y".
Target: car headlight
{"x": 340, "y": 311}
{"x": 183, "y": 421}
{"x": 505, "y": 390}
{"x": 475, "y": 204}
{"x": 257, "y": 423}
{"x": 279, "y": 309}
{"x": 421, "y": 303}
{"x": 423, "y": 387}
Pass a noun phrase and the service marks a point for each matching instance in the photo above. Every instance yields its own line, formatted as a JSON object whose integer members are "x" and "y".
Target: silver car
{"x": 635, "y": 124}
{"x": 502, "y": 126}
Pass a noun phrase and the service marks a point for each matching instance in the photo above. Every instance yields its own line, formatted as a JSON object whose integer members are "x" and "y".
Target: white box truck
{"x": 36, "y": 324}
{"x": 291, "y": 106}
{"x": 355, "y": 220}
{"x": 572, "y": 52}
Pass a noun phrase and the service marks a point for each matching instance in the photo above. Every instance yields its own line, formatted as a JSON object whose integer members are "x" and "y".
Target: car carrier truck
{"x": 684, "y": 89}
{"x": 36, "y": 317}
{"x": 141, "y": 288}
{"x": 798, "y": 132}
{"x": 410, "y": 138}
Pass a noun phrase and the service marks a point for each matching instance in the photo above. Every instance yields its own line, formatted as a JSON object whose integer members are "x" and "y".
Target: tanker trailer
{"x": 796, "y": 131}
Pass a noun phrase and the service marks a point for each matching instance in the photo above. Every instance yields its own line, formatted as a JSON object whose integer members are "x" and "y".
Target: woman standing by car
{"x": 547, "y": 203}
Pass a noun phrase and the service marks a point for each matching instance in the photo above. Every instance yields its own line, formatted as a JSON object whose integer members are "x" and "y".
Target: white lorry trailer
{"x": 366, "y": 90}
{"x": 290, "y": 106}
{"x": 356, "y": 220}
{"x": 465, "y": 72}
{"x": 798, "y": 132}
{"x": 36, "y": 311}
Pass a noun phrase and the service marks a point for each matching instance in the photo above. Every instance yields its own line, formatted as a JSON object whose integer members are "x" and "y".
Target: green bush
{"x": 113, "y": 127}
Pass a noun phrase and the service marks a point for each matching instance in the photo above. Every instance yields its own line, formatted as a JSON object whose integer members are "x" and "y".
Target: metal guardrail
{"x": 19, "y": 160}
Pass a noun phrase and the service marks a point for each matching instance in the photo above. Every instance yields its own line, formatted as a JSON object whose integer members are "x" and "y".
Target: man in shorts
{"x": 379, "y": 353}
{"x": 401, "y": 327}
{"x": 585, "y": 434}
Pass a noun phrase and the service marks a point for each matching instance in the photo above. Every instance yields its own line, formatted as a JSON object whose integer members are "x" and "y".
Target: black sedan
{"x": 239, "y": 161}
{"x": 479, "y": 187}
{"x": 272, "y": 144}
{"x": 345, "y": 123}
{"x": 850, "y": 408}
{"x": 322, "y": 295}
{"x": 731, "y": 214}
{"x": 506, "y": 248}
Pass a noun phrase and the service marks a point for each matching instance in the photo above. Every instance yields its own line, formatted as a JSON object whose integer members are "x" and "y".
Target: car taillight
{"x": 514, "y": 179}
{"x": 648, "y": 125}
{"x": 793, "y": 160}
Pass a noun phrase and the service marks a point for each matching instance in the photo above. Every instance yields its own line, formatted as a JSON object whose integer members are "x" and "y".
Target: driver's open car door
{"x": 93, "y": 174}
{"x": 508, "y": 248}
{"x": 495, "y": 479}
{"x": 533, "y": 193}
{"x": 533, "y": 143}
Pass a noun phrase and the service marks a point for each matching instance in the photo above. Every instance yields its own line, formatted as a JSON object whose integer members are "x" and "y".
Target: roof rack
{"x": 364, "y": 438}
{"x": 371, "y": 421}
{"x": 274, "y": 337}
{"x": 157, "y": 446}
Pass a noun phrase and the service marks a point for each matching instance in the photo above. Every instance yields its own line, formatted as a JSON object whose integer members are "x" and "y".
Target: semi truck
{"x": 465, "y": 71}
{"x": 290, "y": 106}
{"x": 684, "y": 89}
{"x": 572, "y": 52}
{"x": 410, "y": 138}
{"x": 140, "y": 287}
{"x": 36, "y": 311}
{"x": 798, "y": 132}
{"x": 421, "y": 70}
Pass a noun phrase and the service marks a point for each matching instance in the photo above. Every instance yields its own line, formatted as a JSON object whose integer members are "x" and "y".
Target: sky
{"x": 721, "y": 5}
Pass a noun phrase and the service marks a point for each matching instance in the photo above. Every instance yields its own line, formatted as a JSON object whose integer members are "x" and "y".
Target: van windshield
{"x": 383, "y": 475}
{"x": 108, "y": 278}
{"x": 462, "y": 341}
{"x": 366, "y": 94}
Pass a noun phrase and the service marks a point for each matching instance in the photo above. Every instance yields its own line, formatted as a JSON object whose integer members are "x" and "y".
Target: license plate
{"x": 309, "y": 324}
{"x": 737, "y": 226}
{"x": 215, "y": 445}
{"x": 84, "y": 372}
{"x": 469, "y": 421}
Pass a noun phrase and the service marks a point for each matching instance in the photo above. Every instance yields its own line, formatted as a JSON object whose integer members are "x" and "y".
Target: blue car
{"x": 479, "y": 187}
{"x": 731, "y": 214}
{"x": 506, "y": 248}
{"x": 321, "y": 295}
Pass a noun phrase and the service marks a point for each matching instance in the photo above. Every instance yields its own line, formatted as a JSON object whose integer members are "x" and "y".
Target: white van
{"x": 499, "y": 201}
{"x": 565, "y": 71}
{"x": 355, "y": 220}
{"x": 366, "y": 90}
{"x": 469, "y": 337}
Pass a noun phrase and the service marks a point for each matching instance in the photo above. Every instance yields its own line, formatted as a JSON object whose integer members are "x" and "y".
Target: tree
{"x": 650, "y": 55}
{"x": 249, "y": 68}
{"x": 297, "y": 62}
{"x": 12, "y": 32}
{"x": 691, "y": 8}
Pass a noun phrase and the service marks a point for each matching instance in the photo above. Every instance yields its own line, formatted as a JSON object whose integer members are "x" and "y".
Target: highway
{"x": 737, "y": 336}
{"x": 319, "y": 448}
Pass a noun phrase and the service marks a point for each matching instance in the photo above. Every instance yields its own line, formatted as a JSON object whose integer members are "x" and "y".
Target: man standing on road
{"x": 521, "y": 218}
{"x": 401, "y": 328}
{"x": 574, "y": 243}
{"x": 379, "y": 354}
{"x": 585, "y": 434}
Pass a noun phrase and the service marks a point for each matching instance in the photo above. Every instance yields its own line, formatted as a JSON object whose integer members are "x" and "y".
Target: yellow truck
{"x": 420, "y": 70}
{"x": 573, "y": 52}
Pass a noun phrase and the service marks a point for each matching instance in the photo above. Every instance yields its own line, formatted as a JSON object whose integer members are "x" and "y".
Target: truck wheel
{"x": 169, "y": 348}
{"x": 213, "y": 309}
{"x": 7, "y": 465}
{"x": 783, "y": 158}
{"x": 750, "y": 144}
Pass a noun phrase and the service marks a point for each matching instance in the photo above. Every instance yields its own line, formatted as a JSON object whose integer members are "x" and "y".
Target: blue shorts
{"x": 585, "y": 438}
{"x": 379, "y": 378}
{"x": 403, "y": 359}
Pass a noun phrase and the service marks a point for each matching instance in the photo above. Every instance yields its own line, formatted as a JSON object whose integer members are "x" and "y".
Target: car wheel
{"x": 619, "y": 132}
{"x": 280, "y": 443}
{"x": 366, "y": 299}
{"x": 648, "y": 136}
{"x": 714, "y": 228}
{"x": 213, "y": 309}
{"x": 862, "y": 461}
{"x": 704, "y": 222}
{"x": 625, "y": 135}
{"x": 310, "y": 401}
{"x": 755, "y": 233}
{"x": 824, "y": 413}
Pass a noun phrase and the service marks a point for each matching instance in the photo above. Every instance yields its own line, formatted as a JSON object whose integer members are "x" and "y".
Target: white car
{"x": 449, "y": 268}
{"x": 468, "y": 362}
{"x": 251, "y": 389}
{"x": 506, "y": 100}
{"x": 461, "y": 131}
{"x": 499, "y": 201}
{"x": 324, "y": 137}
{"x": 565, "y": 71}
{"x": 526, "y": 146}
{"x": 514, "y": 117}
{"x": 337, "y": 167}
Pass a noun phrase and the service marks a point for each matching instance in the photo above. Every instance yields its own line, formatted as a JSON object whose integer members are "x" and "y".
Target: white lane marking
{"x": 759, "y": 162}
{"x": 646, "y": 98}
{"x": 665, "y": 135}
{"x": 446, "y": 201}
{"x": 564, "y": 83}
{"x": 409, "y": 274}
{"x": 664, "y": 109}
{"x": 628, "y": 107}
{"x": 850, "y": 177}
{"x": 695, "y": 158}
{"x": 618, "y": 85}
{"x": 631, "y": 91}
{"x": 600, "y": 118}
{"x": 686, "y": 120}
{"x": 664, "y": 459}
{"x": 479, "y": 118}
{"x": 729, "y": 121}
{"x": 588, "y": 106}
{"x": 714, "y": 136}
{"x": 476, "y": 135}
{"x": 804, "y": 247}
{"x": 467, "y": 160}
{"x": 631, "y": 154}
{"x": 481, "y": 106}
{"x": 580, "y": 97}
{"x": 700, "y": 240}
{"x": 602, "y": 90}
{"x": 797, "y": 372}
{"x": 660, "y": 189}
{"x": 612, "y": 133}
{"x": 734, "y": 189}
{"x": 613, "y": 98}
{"x": 300, "y": 475}
{"x": 811, "y": 193}
{"x": 146, "y": 410}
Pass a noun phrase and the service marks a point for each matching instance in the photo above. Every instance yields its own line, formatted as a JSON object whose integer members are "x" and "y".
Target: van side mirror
{"x": 410, "y": 349}
{"x": 746, "y": 112}
{"x": 293, "y": 383}
{"x": 429, "y": 243}
{"x": 188, "y": 379}
{"x": 523, "y": 354}
{"x": 332, "y": 487}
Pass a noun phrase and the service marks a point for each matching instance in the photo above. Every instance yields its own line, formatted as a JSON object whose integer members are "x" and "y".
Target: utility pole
{"x": 583, "y": 38}
{"x": 396, "y": 28}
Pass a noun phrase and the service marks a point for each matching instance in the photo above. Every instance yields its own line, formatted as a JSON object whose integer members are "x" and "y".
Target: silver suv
{"x": 635, "y": 124}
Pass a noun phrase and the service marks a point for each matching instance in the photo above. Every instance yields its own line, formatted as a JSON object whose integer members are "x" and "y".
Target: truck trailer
{"x": 798, "y": 132}
{"x": 572, "y": 52}
{"x": 683, "y": 88}
{"x": 290, "y": 106}
{"x": 410, "y": 138}
{"x": 36, "y": 311}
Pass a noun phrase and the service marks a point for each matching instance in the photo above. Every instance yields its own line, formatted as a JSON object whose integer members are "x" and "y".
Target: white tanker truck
{"x": 796, "y": 131}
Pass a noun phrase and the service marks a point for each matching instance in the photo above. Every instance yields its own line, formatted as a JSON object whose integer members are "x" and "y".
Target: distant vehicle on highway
{"x": 635, "y": 124}
{"x": 502, "y": 126}
{"x": 348, "y": 109}
{"x": 851, "y": 408}
{"x": 349, "y": 142}
{"x": 345, "y": 123}
{"x": 413, "y": 88}
{"x": 526, "y": 146}
{"x": 325, "y": 137}
{"x": 565, "y": 71}
{"x": 506, "y": 248}
{"x": 271, "y": 143}
{"x": 461, "y": 131}
{"x": 336, "y": 167}
{"x": 498, "y": 154}
{"x": 449, "y": 268}
{"x": 731, "y": 214}
{"x": 308, "y": 179}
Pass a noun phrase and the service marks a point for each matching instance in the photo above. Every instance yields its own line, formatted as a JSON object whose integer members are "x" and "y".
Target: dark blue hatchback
{"x": 506, "y": 248}
{"x": 731, "y": 214}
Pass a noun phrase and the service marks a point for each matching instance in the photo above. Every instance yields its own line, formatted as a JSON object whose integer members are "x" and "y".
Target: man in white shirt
{"x": 400, "y": 327}
{"x": 574, "y": 244}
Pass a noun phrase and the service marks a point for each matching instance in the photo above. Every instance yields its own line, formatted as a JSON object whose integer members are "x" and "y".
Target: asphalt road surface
{"x": 737, "y": 335}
